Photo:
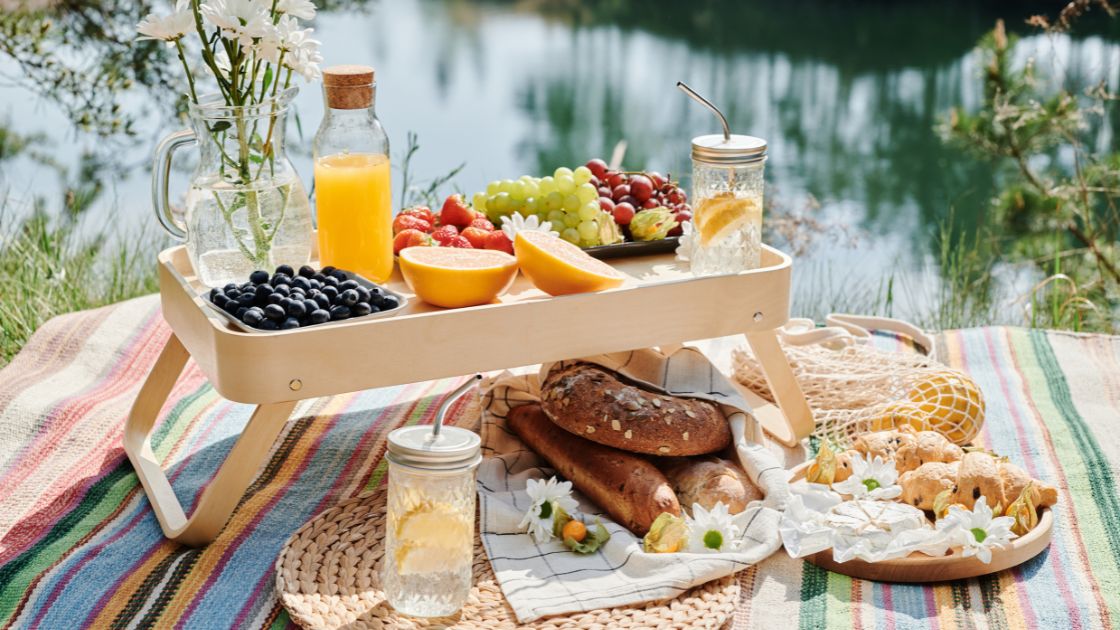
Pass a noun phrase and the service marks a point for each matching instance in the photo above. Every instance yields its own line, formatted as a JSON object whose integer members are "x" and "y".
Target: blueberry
{"x": 280, "y": 279}
{"x": 229, "y": 287}
{"x": 274, "y": 312}
{"x": 285, "y": 270}
{"x": 259, "y": 277}
{"x": 361, "y": 308}
{"x": 388, "y": 302}
{"x": 268, "y": 324}
{"x": 300, "y": 282}
{"x": 263, "y": 291}
{"x": 348, "y": 284}
{"x": 310, "y": 305}
{"x": 282, "y": 289}
{"x": 331, "y": 281}
{"x": 233, "y": 293}
{"x": 306, "y": 271}
{"x": 219, "y": 300}
{"x": 300, "y": 293}
{"x": 340, "y": 312}
{"x": 247, "y": 298}
{"x": 376, "y": 290}
{"x": 363, "y": 294}
{"x": 319, "y": 278}
{"x": 253, "y": 316}
{"x": 330, "y": 292}
{"x": 295, "y": 308}
{"x": 231, "y": 307}
{"x": 213, "y": 292}
{"x": 275, "y": 298}
{"x": 326, "y": 271}
{"x": 349, "y": 297}
{"x": 289, "y": 323}
{"x": 319, "y": 316}
{"x": 315, "y": 284}
{"x": 323, "y": 301}
{"x": 340, "y": 274}
{"x": 247, "y": 287}
{"x": 240, "y": 314}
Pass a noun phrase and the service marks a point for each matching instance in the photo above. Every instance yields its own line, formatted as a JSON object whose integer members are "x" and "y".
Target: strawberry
{"x": 476, "y": 236}
{"x": 410, "y": 238}
{"x": 410, "y": 222}
{"x": 424, "y": 212}
{"x": 482, "y": 223}
{"x": 444, "y": 234}
{"x": 499, "y": 241}
{"x": 459, "y": 241}
{"x": 456, "y": 212}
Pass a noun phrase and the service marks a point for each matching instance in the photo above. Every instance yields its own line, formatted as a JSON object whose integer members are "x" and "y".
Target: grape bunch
{"x": 629, "y": 194}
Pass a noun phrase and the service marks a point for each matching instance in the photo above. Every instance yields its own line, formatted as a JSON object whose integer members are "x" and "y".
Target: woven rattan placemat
{"x": 327, "y": 576}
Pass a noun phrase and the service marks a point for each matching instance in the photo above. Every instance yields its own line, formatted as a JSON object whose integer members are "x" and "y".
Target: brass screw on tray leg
{"x": 295, "y": 385}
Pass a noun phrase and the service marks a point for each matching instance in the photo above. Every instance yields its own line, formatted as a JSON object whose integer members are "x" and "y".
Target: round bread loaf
{"x": 593, "y": 403}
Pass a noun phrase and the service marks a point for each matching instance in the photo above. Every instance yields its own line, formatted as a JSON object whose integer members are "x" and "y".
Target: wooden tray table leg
{"x": 222, "y": 495}
{"x": 792, "y": 421}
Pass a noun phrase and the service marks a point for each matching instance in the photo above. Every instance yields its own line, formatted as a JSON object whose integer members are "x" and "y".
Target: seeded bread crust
{"x": 595, "y": 404}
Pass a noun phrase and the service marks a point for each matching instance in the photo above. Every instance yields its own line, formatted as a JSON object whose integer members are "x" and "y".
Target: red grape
{"x": 606, "y": 204}
{"x": 630, "y": 200}
{"x": 650, "y": 203}
{"x": 594, "y": 181}
{"x": 641, "y": 187}
{"x": 657, "y": 179}
{"x": 676, "y": 196}
{"x": 598, "y": 167}
{"x": 614, "y": 180}
{"x": 683, "y": 216}
{"x": 620, "y": 191}
{"x": 604, "y": 192}
{"x": 623, "y": 213}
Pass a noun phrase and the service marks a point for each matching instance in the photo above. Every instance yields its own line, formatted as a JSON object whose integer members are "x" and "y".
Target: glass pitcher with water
{"x": 246, "y": 207}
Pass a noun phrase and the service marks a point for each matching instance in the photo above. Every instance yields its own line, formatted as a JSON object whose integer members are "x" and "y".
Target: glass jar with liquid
{"x": 727, "y": 185}
{"x": 353, "y": 195}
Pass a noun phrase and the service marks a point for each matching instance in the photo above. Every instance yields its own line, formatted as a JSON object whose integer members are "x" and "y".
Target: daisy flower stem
{"x": 190, "y": 77}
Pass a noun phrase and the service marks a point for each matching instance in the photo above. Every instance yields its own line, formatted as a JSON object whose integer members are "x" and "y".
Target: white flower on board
{"x": 871, "y": 480}
{"x": 168, "y": 28}
{"x": 546, "y": 497}
{"x": 514, "y": 223}
{"x": 711, "y": 531}
{"x": 302, "y": 9}
{"x": 976, "y": 531}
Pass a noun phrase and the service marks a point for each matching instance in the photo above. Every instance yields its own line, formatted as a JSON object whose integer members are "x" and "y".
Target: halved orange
{"x": 558, "y": 267}
{"x": 452, "y": 277}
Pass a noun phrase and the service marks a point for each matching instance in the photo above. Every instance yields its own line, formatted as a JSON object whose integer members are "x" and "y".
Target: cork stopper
{"x": 348, "y": 87}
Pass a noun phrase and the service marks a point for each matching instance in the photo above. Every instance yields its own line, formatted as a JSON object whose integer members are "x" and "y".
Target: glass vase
{"x": 246, "y": 207}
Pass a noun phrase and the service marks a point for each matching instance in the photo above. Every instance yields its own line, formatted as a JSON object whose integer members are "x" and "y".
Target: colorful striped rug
{"x": 79, "y": 545}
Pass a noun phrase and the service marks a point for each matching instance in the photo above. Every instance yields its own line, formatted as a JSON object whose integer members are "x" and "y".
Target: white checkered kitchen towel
{"x": 540, "y": 580}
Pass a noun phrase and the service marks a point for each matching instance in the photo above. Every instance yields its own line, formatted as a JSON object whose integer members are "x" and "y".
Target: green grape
{"x": 562, "y": 172}
{"x": 566, "y": 185}
{"x": 589, "y": 211}
{"x": 582, "y": 175}
{"x": 532, "y": 188}
{"x": 588, "y": 230}
{"x": 499, "y": 203}
{"x": 546, "y": 185}
{"x": 554, "y": 201}
{"x": 532, "y": 205}
{"x": 492, "y": 189}
{"x": 571, "y": 203}
{"x": 478, "y": 201}
{"x": 571, "y": 235}
{"x": 556, "y": 217}
{"x": 517, "y": 191}
{"x": 571, "y": 220}
{"x": 587, "y": 193}
{"x": 506, "y": 186}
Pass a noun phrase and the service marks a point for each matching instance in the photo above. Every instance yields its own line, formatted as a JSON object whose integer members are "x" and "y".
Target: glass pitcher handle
{"x": 161, "y": 172}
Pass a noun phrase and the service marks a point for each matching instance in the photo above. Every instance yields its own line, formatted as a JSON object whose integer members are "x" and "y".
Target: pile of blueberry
{"x": 287, "y": 299}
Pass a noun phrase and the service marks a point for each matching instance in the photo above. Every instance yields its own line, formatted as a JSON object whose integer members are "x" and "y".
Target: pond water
{"x": 847, "y": 94}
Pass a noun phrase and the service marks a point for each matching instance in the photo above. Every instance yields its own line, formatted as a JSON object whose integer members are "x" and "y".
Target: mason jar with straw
{"x": 429, "y": 537}
{"x": 727, "y": 183}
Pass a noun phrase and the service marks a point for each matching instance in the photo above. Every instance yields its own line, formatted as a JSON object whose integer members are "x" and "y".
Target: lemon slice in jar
{"x": 718, "y": 216}
{"x": 433, "y": 537}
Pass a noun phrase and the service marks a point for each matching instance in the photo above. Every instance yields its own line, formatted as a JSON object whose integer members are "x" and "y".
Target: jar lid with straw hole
{"x": 418, "y": 447}
{"x": 734, "y": 149}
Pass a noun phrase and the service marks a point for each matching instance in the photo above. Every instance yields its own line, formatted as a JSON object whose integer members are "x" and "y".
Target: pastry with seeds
{"x": 595, "y": 403}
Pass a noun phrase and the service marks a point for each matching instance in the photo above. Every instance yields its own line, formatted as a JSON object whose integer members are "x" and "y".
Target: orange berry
{"x": 575, "y": 530}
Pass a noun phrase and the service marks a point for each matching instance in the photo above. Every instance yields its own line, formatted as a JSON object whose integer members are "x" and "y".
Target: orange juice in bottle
{"x": 353, "y": 195}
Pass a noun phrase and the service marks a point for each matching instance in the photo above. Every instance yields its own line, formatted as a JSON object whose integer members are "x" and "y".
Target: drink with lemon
{"x": 727, "y": 185}
{"x": 353, "y": 196}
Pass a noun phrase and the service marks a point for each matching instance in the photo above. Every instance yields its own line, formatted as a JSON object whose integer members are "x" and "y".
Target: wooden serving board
{"x": 918, "y": 567}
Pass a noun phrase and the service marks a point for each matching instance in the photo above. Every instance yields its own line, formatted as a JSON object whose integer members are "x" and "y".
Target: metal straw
{"x": 446, "y": 404}
{"x": 706, "y": 103}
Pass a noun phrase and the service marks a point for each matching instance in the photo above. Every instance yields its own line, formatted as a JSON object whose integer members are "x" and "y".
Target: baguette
{"x": 626, "y": 486}
{"x": 710, "y": 480}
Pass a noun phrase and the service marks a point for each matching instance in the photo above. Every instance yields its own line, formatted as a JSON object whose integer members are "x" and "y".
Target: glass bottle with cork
{"x": 353, "y": 195}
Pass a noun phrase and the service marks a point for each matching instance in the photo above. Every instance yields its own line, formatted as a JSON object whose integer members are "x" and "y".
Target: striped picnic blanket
{"x": 79, "y": 545}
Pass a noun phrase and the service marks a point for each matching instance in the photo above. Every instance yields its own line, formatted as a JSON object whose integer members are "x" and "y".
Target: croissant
{"x": 976, "y": 475}
{"x": 908, "y": 448}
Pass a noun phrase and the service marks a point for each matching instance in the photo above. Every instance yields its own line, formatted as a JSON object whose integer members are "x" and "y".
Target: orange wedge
{"x": 718, "y": 216}
{"x": 452, "y": 277}
{"x": 558, "y": 267}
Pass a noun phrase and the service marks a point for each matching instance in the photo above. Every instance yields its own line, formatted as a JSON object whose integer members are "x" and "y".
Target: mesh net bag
{"x": 859, "y": 388}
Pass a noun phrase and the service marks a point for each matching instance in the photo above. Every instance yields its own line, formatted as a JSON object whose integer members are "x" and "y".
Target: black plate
{"x": 634, "y": 248}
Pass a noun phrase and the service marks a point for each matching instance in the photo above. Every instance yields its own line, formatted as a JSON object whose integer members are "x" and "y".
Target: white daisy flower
{"x": 711, "y": 531}
{"x": 547, "y": 496}
{"x": 302, "y": 9}
{"x": 976, "y": 531}
{"x": 241, "y": 20}
{"x": 168, "y": 28}
{"x": 871, "y": 480}
{"x": 514, "y": 223}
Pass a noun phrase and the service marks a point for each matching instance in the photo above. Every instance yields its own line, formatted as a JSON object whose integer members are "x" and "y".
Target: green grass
{"x": 47, "y": 269}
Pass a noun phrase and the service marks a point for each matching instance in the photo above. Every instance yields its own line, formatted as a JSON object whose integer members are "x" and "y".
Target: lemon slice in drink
{"x": 433, "y": 537}
{"x": 718, "y": 216}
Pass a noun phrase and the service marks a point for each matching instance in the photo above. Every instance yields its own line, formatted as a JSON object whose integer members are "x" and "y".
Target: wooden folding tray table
{"x": 660, "y": 304}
